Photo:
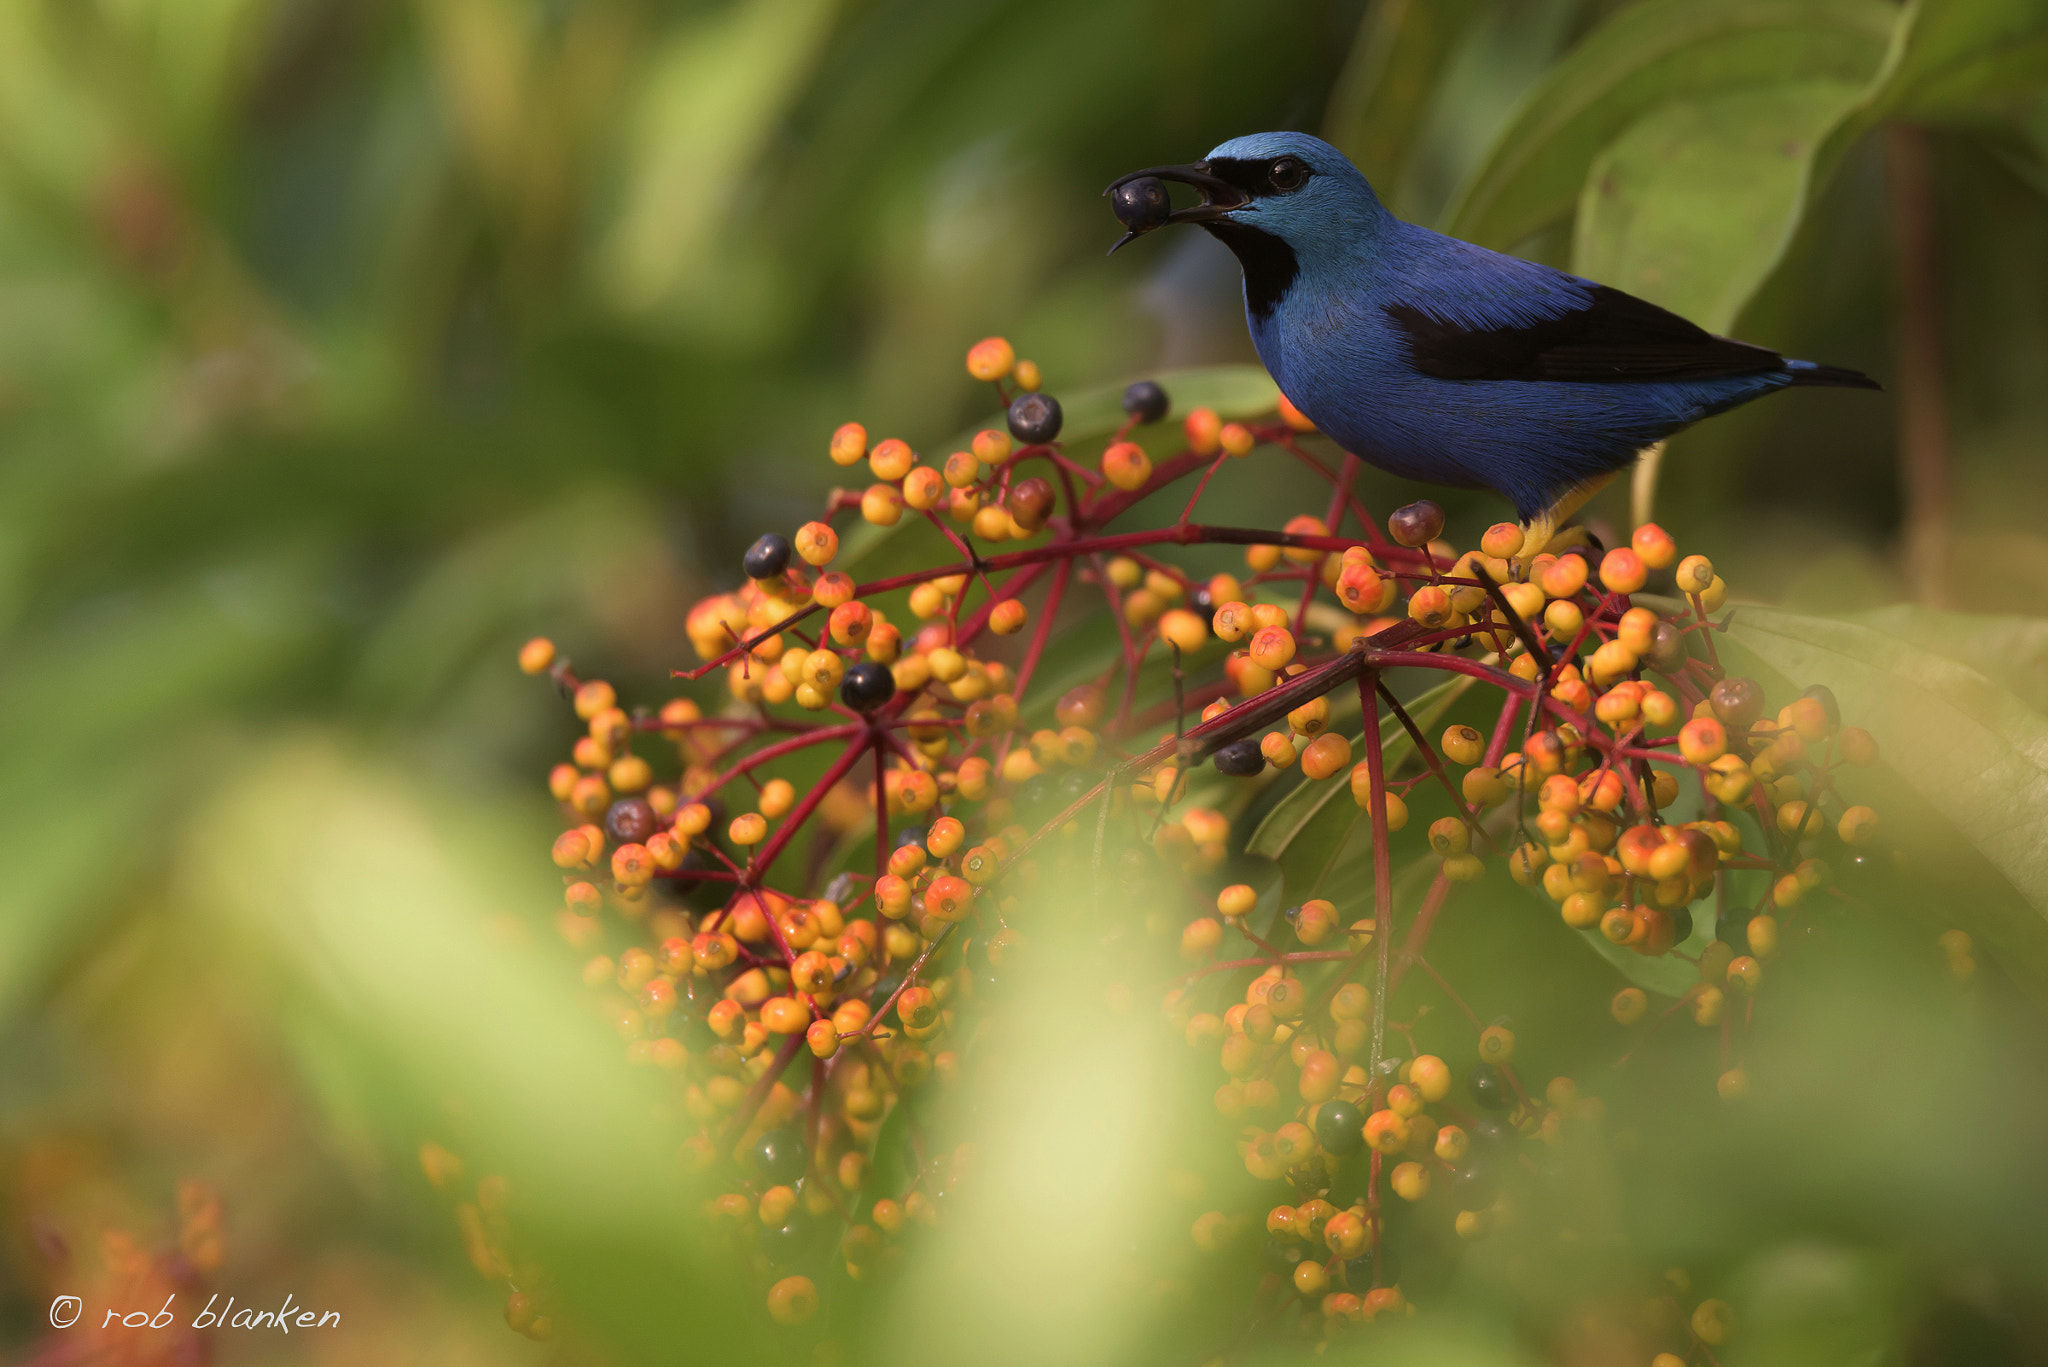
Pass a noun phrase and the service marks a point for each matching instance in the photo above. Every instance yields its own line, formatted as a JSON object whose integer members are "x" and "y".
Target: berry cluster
{"x": 802, "y": 999}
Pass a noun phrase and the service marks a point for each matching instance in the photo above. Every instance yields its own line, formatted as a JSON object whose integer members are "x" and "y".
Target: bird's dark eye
{"x": 1288, "y": 173}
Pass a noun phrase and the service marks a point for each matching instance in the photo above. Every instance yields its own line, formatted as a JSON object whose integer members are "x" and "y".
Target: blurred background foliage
{"x": 345, "y": 343}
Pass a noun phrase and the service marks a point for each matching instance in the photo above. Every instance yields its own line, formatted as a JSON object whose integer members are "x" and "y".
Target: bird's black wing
{"x": 1613, "y": 336}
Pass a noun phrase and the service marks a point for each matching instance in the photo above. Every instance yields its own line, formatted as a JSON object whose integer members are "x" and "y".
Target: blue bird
{"x": 1442, "y": 361}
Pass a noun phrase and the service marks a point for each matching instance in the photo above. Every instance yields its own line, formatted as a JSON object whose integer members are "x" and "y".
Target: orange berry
{"x": 594, "y": 697}
{"x": 785, "y": 1016}
{"x": 1236, "y": 438}
{"x": 1702, "y": 740}
{"x": 849, "y": 444}
{"x": 572, "y": 850}
{"x": 1496, "y": 1044}
{"x": 924, "y": 487}
{"x": 1204, "y": 431}
{"x": 1294, "y": 417}
{"x": 891, "y": 459}
{"x": 949, "y": 898}
{"x": 1007, "y": 618}
{"x": 792, "y": 1300}
{"x": 1694, "y": 574}
{"x": 1502, "y": 540}
{"x": 1346, "y": 1235}
{"x": 536, "y": 655}
{"x": 1463, "y": 745}
{"x": 1386, "y": 1132}
{"x": 817, "y": 543}
{"x": 991, "y": 447}
{"x": 1272, "y": 648}
{"x": 749, "y": 828}
{"x": 1623, "y": 571}
{"x": 1326, "y": 755}
{"x": 1430, "y": 606}
{"x": 1321, "y": 1074}
{"x": 882, "y": 505}
{"x": 1859, "y": 747}
{"x": 1654, "y": 545}
{"x": 1126, "y": 465}
{"x": 1564, "y": 576}
{"x": 1858, "y": 826}
{"x": 1183, "y": 629}
{"x": 632, "y": 866}
{"x": 822, "y": 1037}
{"x": 1713, "y": 1320}
{"x": 991, "y": 358}
{"x": 1238, "y": 899}
{"x": 1201, "y": 937}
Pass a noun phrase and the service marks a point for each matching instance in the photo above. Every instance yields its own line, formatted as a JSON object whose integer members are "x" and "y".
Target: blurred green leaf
{"x": 389, "y": 900}
{"x": 107, "y": 724}
{"x": 1951, "y": 61}
{"x": 2010, "y": 651}
{"x": 1644, "y": 57}
{"x": 1967, "y": 60}
{"x": 1385, "y": 90}
{"x": 1306, "y": 831}
{"x": 710, "y": 101}
{"x": 1977, "y": 753}
{"x": 1693, "y": 206}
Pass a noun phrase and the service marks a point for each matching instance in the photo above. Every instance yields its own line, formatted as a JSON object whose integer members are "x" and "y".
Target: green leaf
{"x": 1693, "y": 206}
{"x": 1384, "y": 92}
{"x": 1951, "y": 61}
{"x": 1306, "y": 831}
{"x": 1644, "y": 57}
{"x": 712, "y": 96}
{"x": 1974, "y": 751}
{"x": 2010, "y": 651}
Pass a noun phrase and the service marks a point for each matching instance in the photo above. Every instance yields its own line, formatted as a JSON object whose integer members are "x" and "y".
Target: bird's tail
{"x": 1816, "y": 375}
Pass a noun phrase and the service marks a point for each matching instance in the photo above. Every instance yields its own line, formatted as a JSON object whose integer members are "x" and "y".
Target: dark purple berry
{"x": 1035, "y": 418}
{"x": 1417, "y": 524}
{"x": 779, "y": 1157}
{"x": 1825, "y": 696}
{"x": 867, "y": 686}
{"x": 767, "y": 557}
{"x": 1340, "y": 1129}
{"x": 1142, "y": 204}
{"x": 1474, "y": 1187}
{"x": 1240, "y": 758}
{"x": 630, "y": 820}
{"x": 1146, "y": 401}
{"x": 1358, "y": 1272}
{"x": 1737, "y": 702}
{"x": 1488, "y": 1087}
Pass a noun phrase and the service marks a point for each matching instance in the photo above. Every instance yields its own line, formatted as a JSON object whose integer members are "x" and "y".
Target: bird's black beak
{"x": 1141, "y": 204}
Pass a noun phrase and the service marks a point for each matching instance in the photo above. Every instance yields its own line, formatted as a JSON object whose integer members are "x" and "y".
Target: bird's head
{"x": 1288, "y": 186}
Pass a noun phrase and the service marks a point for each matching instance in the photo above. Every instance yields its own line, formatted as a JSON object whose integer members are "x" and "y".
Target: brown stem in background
{"x": 1923, "y": 405}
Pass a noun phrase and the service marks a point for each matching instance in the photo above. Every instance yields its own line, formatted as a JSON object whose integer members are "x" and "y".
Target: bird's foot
{"x": 1546, "y": 532}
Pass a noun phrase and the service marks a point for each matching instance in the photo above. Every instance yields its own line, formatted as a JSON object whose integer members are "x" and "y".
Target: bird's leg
{"x": 1539, "y": 531}
{"x": 1642, "y": 488}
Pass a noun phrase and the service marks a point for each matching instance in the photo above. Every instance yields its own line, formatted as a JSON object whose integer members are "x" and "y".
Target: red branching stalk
{"x": 1080, "y": 539}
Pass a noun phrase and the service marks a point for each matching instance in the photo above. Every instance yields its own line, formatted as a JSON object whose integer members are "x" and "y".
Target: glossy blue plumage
{"x": 1357, "y": 309}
